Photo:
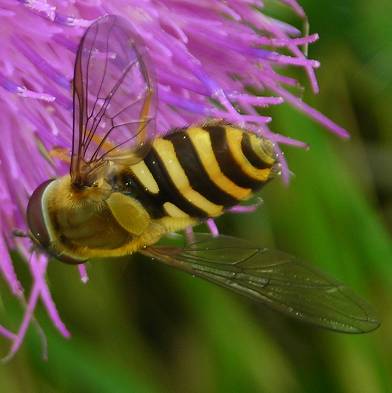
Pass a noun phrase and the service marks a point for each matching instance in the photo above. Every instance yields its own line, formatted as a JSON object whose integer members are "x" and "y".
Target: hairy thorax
{"x": 80, "y": 218}
{"x": 97, "y": 222}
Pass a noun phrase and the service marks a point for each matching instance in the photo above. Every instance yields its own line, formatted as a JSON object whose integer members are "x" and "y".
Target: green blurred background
{"x": 141, "y": 327}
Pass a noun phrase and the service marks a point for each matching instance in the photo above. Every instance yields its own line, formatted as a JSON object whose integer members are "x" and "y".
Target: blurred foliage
{"x": 141, "y": 327}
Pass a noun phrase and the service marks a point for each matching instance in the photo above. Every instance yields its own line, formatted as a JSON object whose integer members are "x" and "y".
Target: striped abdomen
{"x": 199, "y": 171}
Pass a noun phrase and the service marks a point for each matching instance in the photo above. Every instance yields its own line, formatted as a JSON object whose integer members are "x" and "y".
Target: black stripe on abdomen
{"x": 227, "y": 162}
{"x": 251, "y": 155}
{"x": 168, "y": 191}
{"x": 195, "y": 171}
{"x": 128, "y": 184}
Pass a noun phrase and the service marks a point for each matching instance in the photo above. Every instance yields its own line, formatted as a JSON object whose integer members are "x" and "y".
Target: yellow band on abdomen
{"x": 202, "y": 143}
{"x": 167, "y": 154}
{"x": 234, "y": 138}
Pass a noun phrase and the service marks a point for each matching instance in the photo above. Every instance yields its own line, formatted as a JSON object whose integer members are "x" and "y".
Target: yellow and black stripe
{"x": 198, "y": 171}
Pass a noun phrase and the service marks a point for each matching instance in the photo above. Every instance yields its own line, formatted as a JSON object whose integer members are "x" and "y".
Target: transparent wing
{"x": 114, "y": 105}
{"x": 273, "y": 278}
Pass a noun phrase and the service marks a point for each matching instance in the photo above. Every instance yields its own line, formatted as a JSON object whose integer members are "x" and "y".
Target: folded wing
{"x": 274, "y": 278}
{"x": 114, "y": 106}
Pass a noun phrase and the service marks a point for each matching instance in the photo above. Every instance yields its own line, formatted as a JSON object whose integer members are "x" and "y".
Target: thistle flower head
{"x": 205, "y": 55}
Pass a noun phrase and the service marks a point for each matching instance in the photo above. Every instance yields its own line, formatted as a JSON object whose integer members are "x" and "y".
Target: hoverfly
{"x": 128, "y": 188}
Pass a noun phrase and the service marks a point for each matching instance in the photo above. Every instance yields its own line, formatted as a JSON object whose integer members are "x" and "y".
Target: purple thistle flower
{"x": 205, "y": 52}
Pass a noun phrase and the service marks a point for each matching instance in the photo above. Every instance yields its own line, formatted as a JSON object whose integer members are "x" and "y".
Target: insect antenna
{"x": 20, "y": 233}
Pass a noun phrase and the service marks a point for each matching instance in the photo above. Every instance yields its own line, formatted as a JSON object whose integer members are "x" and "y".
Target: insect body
{"x": 128, "y": 188}
{"x": 186, "y": 177}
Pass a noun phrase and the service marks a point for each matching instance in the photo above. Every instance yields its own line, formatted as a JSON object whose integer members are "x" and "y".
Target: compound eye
{"x": 35, "y": 217}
